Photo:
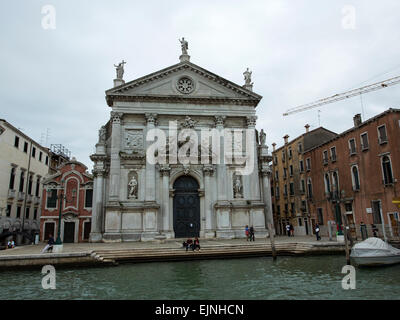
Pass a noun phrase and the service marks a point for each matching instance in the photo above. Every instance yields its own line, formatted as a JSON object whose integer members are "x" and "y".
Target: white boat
{"x": 374, "y": 252}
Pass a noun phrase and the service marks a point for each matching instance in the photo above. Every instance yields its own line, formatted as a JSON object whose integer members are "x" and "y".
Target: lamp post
{"x": 61, "y": 196}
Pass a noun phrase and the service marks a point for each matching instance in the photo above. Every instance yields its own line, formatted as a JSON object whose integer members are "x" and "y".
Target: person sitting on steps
{"x": 188, "y": 243}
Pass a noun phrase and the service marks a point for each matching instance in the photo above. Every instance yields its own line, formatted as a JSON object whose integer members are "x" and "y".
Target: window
{"x": 283, "y": 156}
{"x": 37, "y": 187}
{"x": 292, "y": 208}
{"x": 291, "y": 170}
{"x": 21, "y": 181}
{"x": 27, "y": 213}
{"x": 304, "y": 205}
{"x": 325, "y": 157}
{"x": 291, "y": 189}
{"x": 376, "y": 212}
{"x": 277, "y": 175}
{"x": 320, "y": 216}
{"x": 364, "y": 141}
{"x": 284, "y": 173}
{"x": 272, "y": 191}
{"x": 300, "y": 146}
{"x": 352, "y": 146}
{"x": 286, "y": 208}
{"x": 52, "y": 200}
{"x": 26, "y": 147}
{"x": 309, "y": 188}
{"x": 333, "y": 154}
{"x": 47, "y": 160}
{"x": 327, "y": 183}
{"x": 300, "y": 222}
{"x": 278, "y": 210}
{"x": 308, "y": 164}
{"x": 382, "y": 134}
{"x": 35, "y": 211}
{"x": 88, "y": 198}
{"x": 18, "y": 212}
{"x": 301, "y": 165}
{"x": 285, "y": 190}
{"x": 277, "y": 192}
{"x": 387, "y": 170}
{"x": 40, "y": 156}
{"x": 303, "y": 186}
{"x": 8, "y": 212}
{"x": 30, "y": 184}
{"x": 33, "y": 152}
{"x": 355, "y": 178}
{"x": 290, "y": 153}
{"x": 16, "y": 142}
{"x": 12, "y": 179}
{"x": 335, "y": 181}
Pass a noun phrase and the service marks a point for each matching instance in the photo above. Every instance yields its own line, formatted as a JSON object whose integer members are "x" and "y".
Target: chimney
{"x": 307, "y": 126}
{"x": 357, "y": 120}
{"x": 274, "y": 146}
{"x": 286, "y": 139}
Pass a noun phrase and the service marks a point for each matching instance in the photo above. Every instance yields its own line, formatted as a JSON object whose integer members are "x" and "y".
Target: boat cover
{"x": 373, "y": 247}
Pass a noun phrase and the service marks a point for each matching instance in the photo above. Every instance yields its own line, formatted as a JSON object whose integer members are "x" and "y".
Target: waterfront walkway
{"x": 166, "y": 250}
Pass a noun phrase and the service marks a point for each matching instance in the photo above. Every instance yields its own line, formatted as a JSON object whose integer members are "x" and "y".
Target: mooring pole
{"x": 272, "y": 239}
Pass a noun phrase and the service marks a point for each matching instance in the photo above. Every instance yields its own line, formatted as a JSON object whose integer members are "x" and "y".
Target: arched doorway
{"x": 186, "y": 207}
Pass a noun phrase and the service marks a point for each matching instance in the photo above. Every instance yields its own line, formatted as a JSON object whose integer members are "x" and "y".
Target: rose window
{"x": 185, "y": 85}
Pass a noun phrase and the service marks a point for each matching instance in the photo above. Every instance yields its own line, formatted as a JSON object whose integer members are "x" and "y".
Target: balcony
{"x": 29, "y": 198}
{"x": 36, "y": 200}
{"x": 11, "y": 194}
{"x": 21, "y": 196}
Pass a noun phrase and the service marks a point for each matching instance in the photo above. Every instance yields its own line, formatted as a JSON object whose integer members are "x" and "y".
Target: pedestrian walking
{"x": 291, "y": 230}
{"x": 252, "y": 238}
{"x": 317, "y": 232}
{"x": 247, "y": 232}
{"x": 288, "y": 229}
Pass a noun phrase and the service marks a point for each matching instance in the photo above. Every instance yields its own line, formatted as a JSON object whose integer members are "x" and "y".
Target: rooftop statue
{"x": 120, "y": 69}
{"x": 184, "y": 46}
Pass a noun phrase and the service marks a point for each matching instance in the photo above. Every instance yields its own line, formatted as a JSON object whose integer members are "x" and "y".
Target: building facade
{"x": 289, "y": 181}
{"x": 71, "y": 189}
{"x": 138, "y": 199}
{"x": 23, "y": 164}
{"x": 354, "y": 178}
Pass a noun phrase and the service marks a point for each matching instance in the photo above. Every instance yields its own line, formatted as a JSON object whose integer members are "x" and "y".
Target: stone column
{"x": 115, "y": 164}
{"x": 253, "y": 178}
{"x": 150, "y": 194}
{"x": 222, "y": 177}
{"x": 209, "y": 228}
{"x": 165, "y": 226}
{"x": 98, "y": 205}
{"x": 266, "y": 176}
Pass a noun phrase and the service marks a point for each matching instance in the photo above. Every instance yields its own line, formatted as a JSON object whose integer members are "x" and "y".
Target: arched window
{"x": 335, "y": 181}
{"x": 309, "y": 188}
{"x": 327, "y": 183}
{"x": 12, "y": 179}
{"x": 387, "y": 170}
{"x": 355, "y": 178}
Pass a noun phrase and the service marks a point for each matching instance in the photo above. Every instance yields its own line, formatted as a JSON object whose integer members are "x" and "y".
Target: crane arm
{"x": 344, "y": 95}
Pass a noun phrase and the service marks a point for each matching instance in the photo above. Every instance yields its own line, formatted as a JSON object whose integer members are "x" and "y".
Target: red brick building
{"x": 354, "y": 176}
{"x": 73, "y": 186}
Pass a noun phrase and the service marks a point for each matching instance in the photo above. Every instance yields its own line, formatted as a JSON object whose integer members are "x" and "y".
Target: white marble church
{"x": 188, "y": 187}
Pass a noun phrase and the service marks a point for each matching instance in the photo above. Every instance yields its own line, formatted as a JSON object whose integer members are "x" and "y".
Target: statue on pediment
{"x": 120, "y": 69}
{"x": 247, "y": 77}
{"x": 184, "y": 46}
{"x": 262, "y": 137}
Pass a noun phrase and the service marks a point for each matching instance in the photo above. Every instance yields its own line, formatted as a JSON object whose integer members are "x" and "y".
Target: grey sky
{"x": 298, "y": 51}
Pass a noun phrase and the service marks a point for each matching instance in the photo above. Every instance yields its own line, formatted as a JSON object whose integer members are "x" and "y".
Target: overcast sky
{"x": 299, "y": 51}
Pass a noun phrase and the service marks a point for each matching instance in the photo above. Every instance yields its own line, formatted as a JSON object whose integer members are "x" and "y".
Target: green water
{"x": 254, "y": 278}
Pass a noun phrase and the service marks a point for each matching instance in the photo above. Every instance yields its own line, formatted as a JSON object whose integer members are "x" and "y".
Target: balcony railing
{"x": 29, "y": 198}
{"x": 11, "y": 194}
{"x": 21, "y": 196}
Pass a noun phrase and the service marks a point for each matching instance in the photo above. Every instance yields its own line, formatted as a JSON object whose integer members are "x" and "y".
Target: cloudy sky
{"x": 299, "y": 51}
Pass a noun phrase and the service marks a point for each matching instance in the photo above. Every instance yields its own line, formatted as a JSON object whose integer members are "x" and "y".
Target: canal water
{"x": 253, "y": 278}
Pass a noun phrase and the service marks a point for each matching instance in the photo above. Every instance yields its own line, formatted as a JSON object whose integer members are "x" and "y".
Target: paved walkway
{"x": 173, "y": 243}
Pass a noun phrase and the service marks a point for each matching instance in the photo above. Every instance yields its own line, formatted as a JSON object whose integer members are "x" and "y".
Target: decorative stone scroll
{"x": 134, "y": 139}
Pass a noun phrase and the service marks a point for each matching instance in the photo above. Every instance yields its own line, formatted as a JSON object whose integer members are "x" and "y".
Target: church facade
{"x": 180, "y": 157}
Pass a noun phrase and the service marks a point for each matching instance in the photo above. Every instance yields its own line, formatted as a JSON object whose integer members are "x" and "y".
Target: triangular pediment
{"x": 182, "y": 82}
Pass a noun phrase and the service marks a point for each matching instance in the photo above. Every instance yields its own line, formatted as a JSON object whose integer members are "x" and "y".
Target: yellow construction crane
{"x": 344, "y": 95}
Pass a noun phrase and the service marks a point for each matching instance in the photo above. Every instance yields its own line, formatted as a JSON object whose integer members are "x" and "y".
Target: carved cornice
{"x": 132, "y": 156}
{"x": 98, "y": 157}
{"x": 119, "y": 93}
{"x": 219, "y": 120}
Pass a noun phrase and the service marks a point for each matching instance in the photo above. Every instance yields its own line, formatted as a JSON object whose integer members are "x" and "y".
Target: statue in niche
{"x": 237, "y": 187}
{"x": 133, "y": 188}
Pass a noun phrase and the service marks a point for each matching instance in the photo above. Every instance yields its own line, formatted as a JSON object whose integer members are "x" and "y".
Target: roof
{"x": 363, "y": 124}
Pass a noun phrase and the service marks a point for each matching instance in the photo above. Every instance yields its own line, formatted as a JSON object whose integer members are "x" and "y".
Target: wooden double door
{"x": 186, "y": 208}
